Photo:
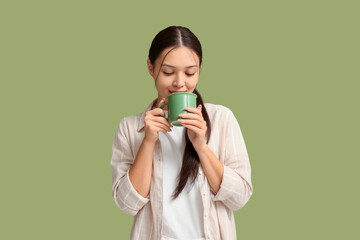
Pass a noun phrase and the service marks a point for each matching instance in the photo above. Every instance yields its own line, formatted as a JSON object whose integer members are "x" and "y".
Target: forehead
{"x": 178, "y": 57}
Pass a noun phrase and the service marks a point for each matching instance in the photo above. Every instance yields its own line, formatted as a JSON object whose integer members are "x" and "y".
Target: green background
{"x": 71, "y": 70}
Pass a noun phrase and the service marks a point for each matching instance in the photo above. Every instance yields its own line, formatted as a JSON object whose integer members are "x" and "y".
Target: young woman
{"x": 180, "y": 182}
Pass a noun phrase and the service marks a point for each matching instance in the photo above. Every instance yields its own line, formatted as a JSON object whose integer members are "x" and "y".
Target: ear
{"x": 150, "y": 68}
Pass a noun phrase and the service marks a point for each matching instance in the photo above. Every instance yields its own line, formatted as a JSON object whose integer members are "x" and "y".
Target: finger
{"x": 157, "y": 129}
{"x": 196, "y": 123}
{"x": 191, "y": 116}
{"x": 157, "y": 112}
{"x": 162, "y": 120}
{"x": 192, "y": 128}
{"x": 150, "y": 116}
{"x": 161, "y": 126}
{"x": 194, "y": 110}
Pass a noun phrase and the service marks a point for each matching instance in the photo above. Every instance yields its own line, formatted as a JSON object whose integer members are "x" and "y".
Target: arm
{"x": 213, "y": 168}
{"x": 132, "y": 175}
{"x": 140, "y": 172}
{"x": 230, "y": 176}
{"x": 236, "y": 187}
{"x": 226, "y": 183}
{"x": 126, "y": 197}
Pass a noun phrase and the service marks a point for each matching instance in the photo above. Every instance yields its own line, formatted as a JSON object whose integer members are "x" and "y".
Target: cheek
{"x": 192, "y": 84}
{"x": 161, "y": 85}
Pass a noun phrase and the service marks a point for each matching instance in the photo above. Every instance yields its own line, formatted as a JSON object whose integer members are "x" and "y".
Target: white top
{"x": 183, "y": 217}
{"x": 228, "y": 145}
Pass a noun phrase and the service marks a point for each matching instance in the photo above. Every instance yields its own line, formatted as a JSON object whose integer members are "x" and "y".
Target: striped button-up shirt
{"x": 226, "y": 142}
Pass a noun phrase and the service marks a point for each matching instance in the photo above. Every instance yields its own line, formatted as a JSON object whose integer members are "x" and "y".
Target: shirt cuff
{"x": 226, "y": 186}
{"x": 130, "y": 199}
{"x": 133, "y": 193}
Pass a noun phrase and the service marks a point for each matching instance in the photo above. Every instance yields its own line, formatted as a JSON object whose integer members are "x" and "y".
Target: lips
{"x": 176, "y": 91}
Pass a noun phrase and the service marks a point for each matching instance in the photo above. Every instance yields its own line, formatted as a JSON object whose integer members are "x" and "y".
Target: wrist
{"x": 148, "y": 142}
{"x": 201, "y": 147}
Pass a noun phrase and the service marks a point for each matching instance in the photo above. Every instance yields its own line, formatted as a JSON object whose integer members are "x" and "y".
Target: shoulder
{"x": 215, "y": 109}
{"x": 130, "y": 118}
{"x": 129, "y": 123}
{"x": 134, "y": 123}
{"x": 220, "y": 115}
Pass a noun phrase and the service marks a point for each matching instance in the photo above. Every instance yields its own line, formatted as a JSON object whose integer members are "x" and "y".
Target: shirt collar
{"x": 141, "y": 122}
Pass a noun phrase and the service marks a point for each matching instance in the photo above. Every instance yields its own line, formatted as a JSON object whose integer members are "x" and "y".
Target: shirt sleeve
{"x": 124, "y": 194}
{"x": 236, "y": 187}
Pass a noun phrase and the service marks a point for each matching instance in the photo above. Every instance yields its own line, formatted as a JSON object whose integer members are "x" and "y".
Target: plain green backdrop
{"x": 71, "y": 70}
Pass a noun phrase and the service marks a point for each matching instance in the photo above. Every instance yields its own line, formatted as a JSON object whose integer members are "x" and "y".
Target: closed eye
{"x": 166, "y": 73}
{"x": 188, "y": 74}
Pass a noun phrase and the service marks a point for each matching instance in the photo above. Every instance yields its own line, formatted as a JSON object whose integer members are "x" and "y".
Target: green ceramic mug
{"x": 176, "y": 104}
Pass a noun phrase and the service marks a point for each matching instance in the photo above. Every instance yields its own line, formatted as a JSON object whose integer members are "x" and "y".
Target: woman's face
{"x": 179, "y": 72}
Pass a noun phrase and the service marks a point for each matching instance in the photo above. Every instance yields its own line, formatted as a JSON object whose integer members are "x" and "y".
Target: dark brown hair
{"x": 177, "y": 36}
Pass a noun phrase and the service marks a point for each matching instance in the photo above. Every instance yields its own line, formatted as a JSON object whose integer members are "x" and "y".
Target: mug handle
{"x": 161, "y": 105}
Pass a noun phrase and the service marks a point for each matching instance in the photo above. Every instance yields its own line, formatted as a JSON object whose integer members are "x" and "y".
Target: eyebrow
{"x": 167, "y": 65}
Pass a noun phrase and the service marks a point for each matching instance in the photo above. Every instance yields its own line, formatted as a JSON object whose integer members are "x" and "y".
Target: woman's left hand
{"x": 195, "y": 124}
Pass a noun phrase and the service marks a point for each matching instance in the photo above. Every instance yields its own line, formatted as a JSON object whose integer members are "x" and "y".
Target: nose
{"x": 179, "y": 81}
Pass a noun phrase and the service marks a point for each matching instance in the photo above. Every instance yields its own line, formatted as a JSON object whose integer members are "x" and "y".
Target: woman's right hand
{"x": 155, "y": 123}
